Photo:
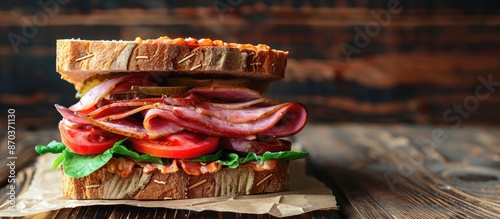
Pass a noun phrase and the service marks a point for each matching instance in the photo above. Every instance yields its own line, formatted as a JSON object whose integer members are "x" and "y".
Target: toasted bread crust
{"x": 78, "y": 60}
{"x": 103, "y": 184}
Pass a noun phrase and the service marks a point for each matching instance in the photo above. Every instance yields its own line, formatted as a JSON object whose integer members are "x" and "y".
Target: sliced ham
{"x": 290, "y": 123}
{"x": 272, "y": 125}
{"x": 276, "y": 121}
{"x": 70, "y": 115}
{"x": 232, "y": 112}
{"x": 159, "y": 120}
{"x": 126, "y": 113}
{"x": 97, "y": 93}
{"x": 124, "y": 127}
{"x": 241, "y": 105}
{"x": 117, "y": 107}
{"x": 245, "y": 115}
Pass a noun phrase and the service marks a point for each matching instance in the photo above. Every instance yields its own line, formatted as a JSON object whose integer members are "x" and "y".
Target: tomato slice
{"x": 87, "y": 139}
{"x": 179, "y": 145}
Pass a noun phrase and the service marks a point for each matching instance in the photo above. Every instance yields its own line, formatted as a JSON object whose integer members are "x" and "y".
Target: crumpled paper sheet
{"x": 306, "y": 194}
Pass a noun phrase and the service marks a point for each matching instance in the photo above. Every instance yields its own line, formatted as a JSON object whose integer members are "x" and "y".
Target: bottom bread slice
{"x": 103, "y": 184}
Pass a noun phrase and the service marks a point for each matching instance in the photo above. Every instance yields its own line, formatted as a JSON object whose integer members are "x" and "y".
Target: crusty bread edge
{"x": 103, "y": 184}
{"x": 77, "y": 60}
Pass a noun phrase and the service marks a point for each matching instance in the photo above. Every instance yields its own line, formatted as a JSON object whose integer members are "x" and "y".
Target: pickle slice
{"x": 235, "y": 82}
{"x": 173, "y": 86}
{"x": 159, "y": 91}
{"x": 88, "y": 85}
{"x": 93, "y": 81}
{"x": 191, "y": 82}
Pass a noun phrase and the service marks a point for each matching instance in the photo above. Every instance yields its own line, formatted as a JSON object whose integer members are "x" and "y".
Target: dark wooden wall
{"x": 350, "y": 60}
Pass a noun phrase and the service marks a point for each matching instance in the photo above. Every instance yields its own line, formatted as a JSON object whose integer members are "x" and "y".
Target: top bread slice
{"x": 78, "y": 60}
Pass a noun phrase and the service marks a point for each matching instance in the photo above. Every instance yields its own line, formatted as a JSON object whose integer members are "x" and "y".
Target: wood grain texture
{"x": 375, "y": 171}
{"x": 412, "y": 69}
{"x": 24, "y": 152}
{"x": 401, "y": 171}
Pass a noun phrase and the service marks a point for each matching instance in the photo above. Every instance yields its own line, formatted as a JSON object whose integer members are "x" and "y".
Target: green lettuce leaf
{"x": 58, "y": 161}
{"x": 207, "y": 158}
{"x": 54, "y": 147}
{"x": 234, "y": 160}
{"x": 77, "y": 166}
{"x": 118, "y": 148}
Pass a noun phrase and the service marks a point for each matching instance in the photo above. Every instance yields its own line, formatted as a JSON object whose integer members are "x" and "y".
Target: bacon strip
{"x": 150, "y": 167}
{"x": 267, "y": 165}
{"x": 198, "y": 168}
{"x": 122, "y": 166}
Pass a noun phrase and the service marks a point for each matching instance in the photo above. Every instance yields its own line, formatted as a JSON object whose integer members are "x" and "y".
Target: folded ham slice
{"x": 232, "y": 112}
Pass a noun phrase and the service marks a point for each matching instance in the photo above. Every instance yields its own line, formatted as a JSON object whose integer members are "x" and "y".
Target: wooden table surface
{"x": 374, "y": 170}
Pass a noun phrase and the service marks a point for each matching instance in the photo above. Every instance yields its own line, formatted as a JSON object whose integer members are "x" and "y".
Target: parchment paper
{"x": 306, "y": 194}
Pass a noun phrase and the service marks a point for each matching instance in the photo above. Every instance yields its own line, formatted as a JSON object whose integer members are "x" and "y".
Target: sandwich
{"x": 173, "y": 119}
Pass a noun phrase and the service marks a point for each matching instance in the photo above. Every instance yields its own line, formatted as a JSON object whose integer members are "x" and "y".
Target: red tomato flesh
{"x": 87, "y": 139}
{"x": 180, "y": 145}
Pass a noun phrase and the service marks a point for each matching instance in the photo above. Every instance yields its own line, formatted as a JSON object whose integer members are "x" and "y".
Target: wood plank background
{"x": 431, "y": 58}
{"x": 417, "y": 66}
{"x": 408, "y": 171}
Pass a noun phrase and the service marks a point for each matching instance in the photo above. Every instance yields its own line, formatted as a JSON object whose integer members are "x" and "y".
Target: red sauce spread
{"x": 203, "y": 42}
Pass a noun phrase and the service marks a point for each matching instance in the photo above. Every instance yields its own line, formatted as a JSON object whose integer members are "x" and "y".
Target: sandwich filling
{"x": 157, "y": 121}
